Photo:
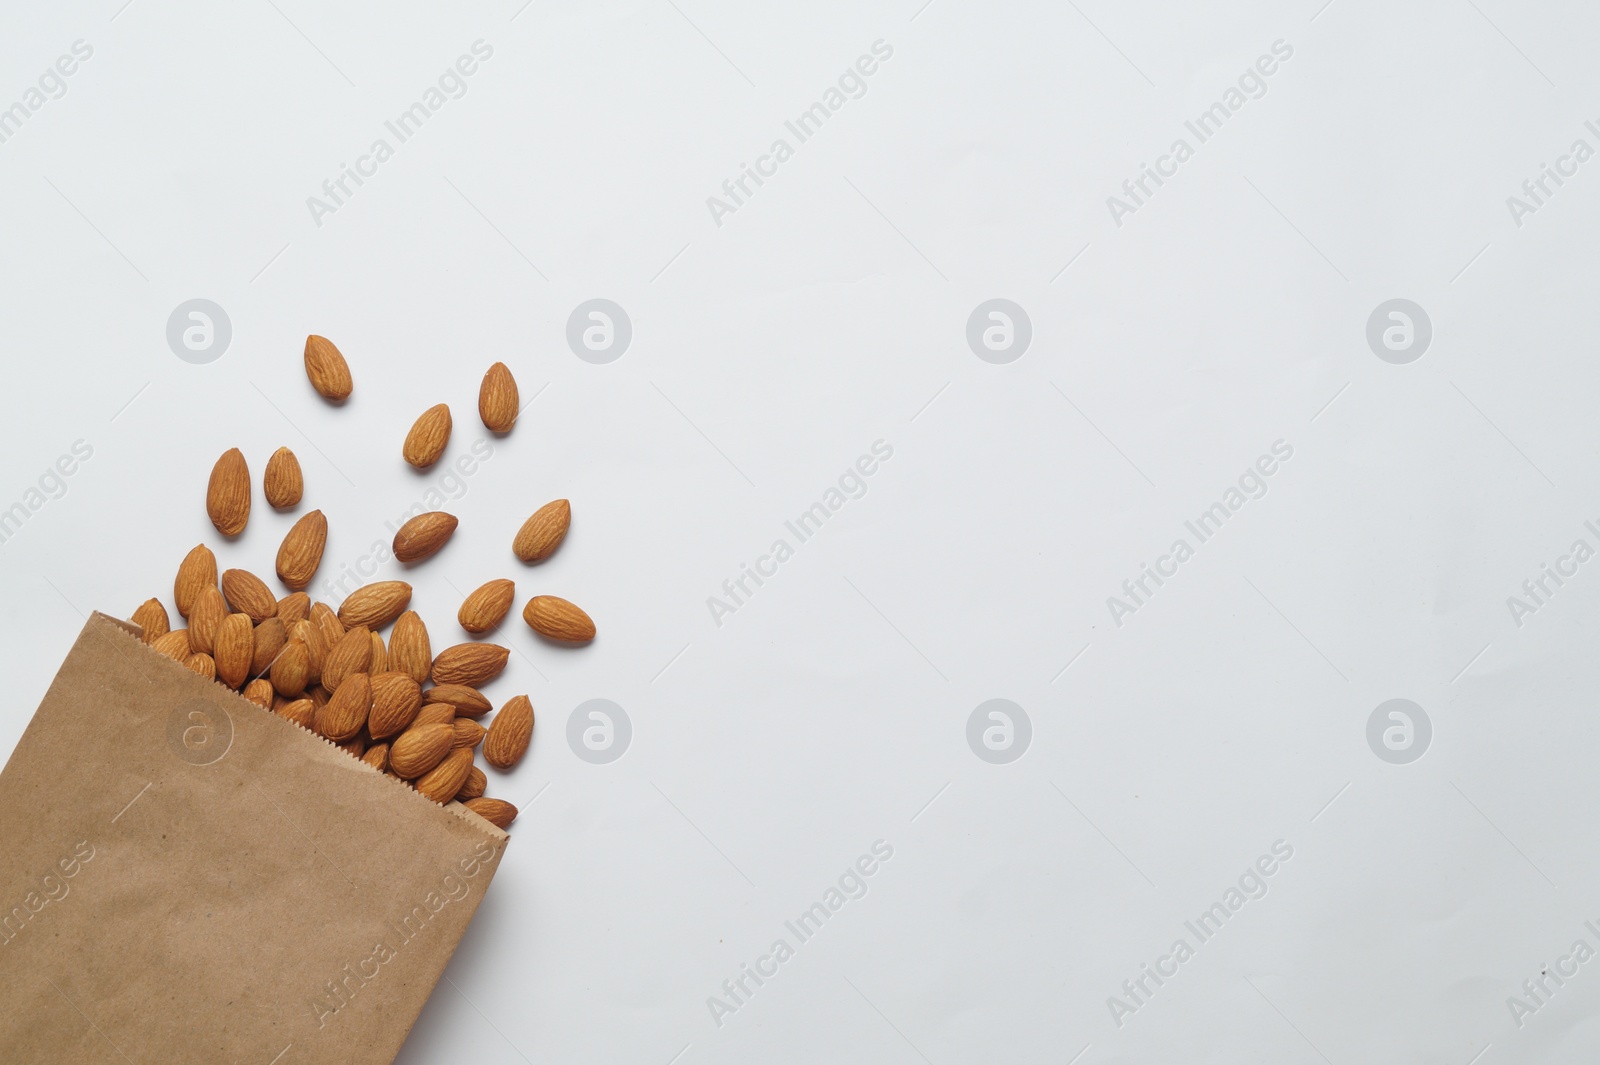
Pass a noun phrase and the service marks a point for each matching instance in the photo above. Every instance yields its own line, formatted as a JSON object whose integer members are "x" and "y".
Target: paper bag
{"x": 185, "y": 877}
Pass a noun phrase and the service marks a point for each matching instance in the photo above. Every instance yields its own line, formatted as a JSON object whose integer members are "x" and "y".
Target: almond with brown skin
{"x": 556, "y": 619}
{"x": 248, "y": 594}
{"x": 379, "y": 660}
{"x": 468, "y": 733}
{"x": 423, "y": 536}
{"x": 409, "y": 649}
{"x": 497, "y": 399}
{"x": 207, "y": 613}
{"x": 291, "y": 670}
{"x": 377, "y": 756}
{"x": 474, "y": 786}
{"x": 375, "y": 605}
{"x": 323, "y": 617}
{"x": 318, "y": 695}
{"x": 327, "y": 370}
{"x": 259, "y": 692}
{"x": 509, "y": 733}
{"x": 542, "y": 533}
{"x": 352, "y": 654}
{"x": 316, "y": 645}
{"x": 302, "y": 712}
{"x": 152, "y": 618}
{"x": 175, "y": 645}
{"x": 420, "y": 748}
{"x": 487, "y": 606}
{"x": 469, "y": 702}
{"x": 283, "y": 483}
{"x": 301, "y": 551}
{"x": 228, "y": 494}
{"x": 441, "y": 783}
{"x": 296, "y": 606}
{"x": 198, "y": 570}
{"x": 435, "y": 714}
{"x": 345, "y": 714}
{"x": 428, "y": 436}
{"x": 396, "y": 698}
{"x": 472, "y": 664}
{"x": 497, "y": 812}
{"x": 233, "y": 649}
{"x": 355, "y": 747}
{"x": 270, "y": 638}
{"x": 202, "y": 664}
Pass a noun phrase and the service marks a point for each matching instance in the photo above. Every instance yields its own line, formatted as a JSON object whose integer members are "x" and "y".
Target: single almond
{"x": 327, "y": 370}
{"x": 423, "y": 535}
{"x": 469, "y": 702}
{"x": 441, "y": 783}
{"x": 248, "y": 594}
{"x": 259, "y": 692}
{"x": 202, "y": 664}
{"x": 345, "y": 714}
{"x": 428, "y": 436}
{"x": 435, "y": 714}
{"x": 420, "y": 748}
{"x": 542, "y": 533}
{"x": 302, "y": 712}
{"x": 497, "y": 399}
{"x": 355, "y": 747}
{"x": 175, "y": 645}
{"x": 301, "y": 551}
{"x": 352, "y": 654}
{"x": 396, "y": 698}
{"x": 270, "y": 638}
{"x": 468, "y": 733}
{"x": 152, "y": 618}
{"x": 409, "y": 649}
{"x": 323, "y": 617}
{"x": 377, "y": 756}
{"x": 296, "y": 606}
{"x": 497, "y": 812}
{"x": 556, "y": 619}
{"x": 316, "y": 645}
{"x": 228, "y": 494}
{"x": 318, "y": 695}
{"x": 207, "y": 613}
{"x": 474, "y": 785}
{"x": 198, "y": 570}
{"x": 509, "y": 733}
{"x": 487, "y": 606}
{"x": 291, "y": 669}
{"x": 283, "y": 484}
{"x": 379, "y": 660}
{"x": 233, "y": 649}
{"x": 472, "y": 664}
{"x": 375, "y": 605}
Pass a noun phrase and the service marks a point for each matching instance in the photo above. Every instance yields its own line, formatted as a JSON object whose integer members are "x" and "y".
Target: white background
{"x": 770, "y": 352}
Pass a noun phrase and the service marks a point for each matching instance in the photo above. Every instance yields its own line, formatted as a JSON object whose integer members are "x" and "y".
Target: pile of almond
{"x": 408, "y": 713}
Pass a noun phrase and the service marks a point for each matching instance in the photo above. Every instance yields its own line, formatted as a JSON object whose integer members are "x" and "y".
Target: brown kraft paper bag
{"x": 185, "y": 877}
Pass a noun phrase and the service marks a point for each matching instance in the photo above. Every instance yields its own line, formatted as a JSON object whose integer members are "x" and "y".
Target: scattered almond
{"x": 375, "y": 605}
{"x": 198, "y": 570}
{"x": 175, "y": 645}
{"x": 497, "y": 812}
{"x": 435, "y": 714}
{"x": 202, "y": 664}
{"x": 497, "y": 399}
{"x": 474, "y": 786}
{"x": 207, "y": 613}
{"x": 469, "y": 702}
{"x": 233, "y": 649}
{"x": 291, "y": 669}
{"x": 316, "y": 645}
{"x": 355, "y": 746}
{"x": 554, "y": 618}
{"x": 487, "y": 606}
{"x": 377, "y": 756}
{"x": 443, "y": 781}
{"x": 270, "y": 637}
{"x": 468, "y": 733}
{"x": 428, "y": 436}
{"x": 301, "y": 551}
{"x": 152, "y": 618}
{"x": 283, "y": 484}
{"x": 409, "y": 649}
{"x": 346, "y": 713}
{"x": 323, "y": 617}
{"x": 378, "y": 661}
{"x": 296, "y": 606}
{"x": 396, "y": 698}
{"x": 248, "y": 594}
{"x": 351, "y": 655}
{"x": 302, "y": 712}
{"x": 327, "y": 370}
{"x": 423, "y": 536}
{"x": 472, "y": 664}
{"x": 509, "y": 733}
{"x": 542, "y": 533}
{"x": 259, "y": 692}
{"x": 228, "y": 494}
{"x": 420, "y": 748}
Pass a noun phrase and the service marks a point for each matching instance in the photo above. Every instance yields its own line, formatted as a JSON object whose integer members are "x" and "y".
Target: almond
{"x": 207, "y": 613}
{"x": 302, "y": 712}
{"x": 556, "y": 619}
{"x": 378, "y": 662}
{"x": 248, "y": 594}
{"x": 296, "y": 606}
{"x": 423, "y": 535}
{"x": 327, "y": 370}
{"x": 152, "y": 618}
{"x": 259, "y": 692}
{"x": 468, "y": 733}
{"x": 375, "y": 605}
{"x": 441, "y": 783}
{"x": 474, "y": 786}
{"x": 428, "y": 436}
{"x": 323, "y": 617}
{"x": 346, "y": 713}
{"x": 228, "y": 494}
{"x": 316, "y": 645}
{"x": 351, "y": 655}
{"x": 409, "y": 649}
{"x": 270, "y": 637}
{"x": 202, "y": 664}
{"x": 283, "y": 484}
{"x": 291, "y": 669}
{"x": 377, "y": 756}
{"x": 301, "y": 551}
{"x": 233, "y": 649}
{"x": 420, "y": 748}
{"x": 487, "y": 606}
{"x": 469, "y": 702}
{"x": 509, "y": 733}
{"x": 497, "y": 812}
{"x": 175, "y": 645}
{"x": 318, "y": 695}
{"x": 198, "y": 570}
{"x": 542, "y": 533}
{"x": 436, "y": 714}
{"x": 497, "y": 399}
{"x": 471, "y": 664}
{"x": 396, "y": 698}
{"x": 355, "y": 747}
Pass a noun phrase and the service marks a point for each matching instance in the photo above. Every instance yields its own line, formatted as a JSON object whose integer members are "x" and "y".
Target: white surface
{"x": 768, "y": 353}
